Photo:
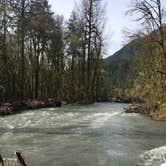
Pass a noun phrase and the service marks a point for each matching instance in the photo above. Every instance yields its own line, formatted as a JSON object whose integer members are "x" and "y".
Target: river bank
{"x": 158, "y": 114}
{"x": 14, "y": 107}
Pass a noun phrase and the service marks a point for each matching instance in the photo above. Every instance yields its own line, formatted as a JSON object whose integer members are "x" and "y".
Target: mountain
{"x": 120, "y": 65}
{"x": 123, "y": 66}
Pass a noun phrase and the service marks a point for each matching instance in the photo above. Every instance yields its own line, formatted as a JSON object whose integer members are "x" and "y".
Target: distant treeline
{"x": 44, "y": 56}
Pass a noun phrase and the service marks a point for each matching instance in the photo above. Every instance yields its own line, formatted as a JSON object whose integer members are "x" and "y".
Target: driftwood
{"x": 9, "y": 161}
{"x": 20, "y": 159}
{"x": 1, "y": 161}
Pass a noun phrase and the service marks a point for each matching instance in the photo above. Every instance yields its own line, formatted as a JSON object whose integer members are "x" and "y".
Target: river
{"x": 94, "y": 135}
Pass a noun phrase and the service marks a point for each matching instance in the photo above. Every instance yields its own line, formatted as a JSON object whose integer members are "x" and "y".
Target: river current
{"x": 95, "y": 135}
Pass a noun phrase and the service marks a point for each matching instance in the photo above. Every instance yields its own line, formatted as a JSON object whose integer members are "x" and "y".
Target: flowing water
{"x": 95, "y": 135}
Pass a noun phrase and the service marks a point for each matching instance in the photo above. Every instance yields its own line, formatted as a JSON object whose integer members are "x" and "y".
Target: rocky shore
{"x": 123, "y": 99}
{"x": 8, "y": 108}
{"x": 136, "y": 108}
{"x": 159, "y": 114}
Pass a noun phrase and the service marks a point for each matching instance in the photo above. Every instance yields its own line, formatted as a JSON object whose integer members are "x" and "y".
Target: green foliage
{"x": 134, "y": 71}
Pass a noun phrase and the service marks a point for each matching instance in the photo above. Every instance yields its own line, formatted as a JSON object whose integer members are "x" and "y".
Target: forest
{"x": 43, "y": 56}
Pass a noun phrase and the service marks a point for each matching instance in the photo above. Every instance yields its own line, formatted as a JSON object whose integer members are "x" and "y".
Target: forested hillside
{"x": 138, "y": 69}
{"x": 120, "y": 65}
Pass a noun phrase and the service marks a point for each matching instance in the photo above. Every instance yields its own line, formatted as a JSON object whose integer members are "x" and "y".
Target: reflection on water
{"x": 95, "y": 135}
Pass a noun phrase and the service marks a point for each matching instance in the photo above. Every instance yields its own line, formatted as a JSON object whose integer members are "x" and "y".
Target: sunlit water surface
{"x": 95, "y": 135}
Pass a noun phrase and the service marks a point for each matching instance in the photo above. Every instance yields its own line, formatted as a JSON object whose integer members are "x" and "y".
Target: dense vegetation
{"x": 138, "y": 69}
{"x": 44, "y": 56}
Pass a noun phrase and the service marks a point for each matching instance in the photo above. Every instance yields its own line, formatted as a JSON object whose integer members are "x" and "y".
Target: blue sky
{"x": 116, "y": 19}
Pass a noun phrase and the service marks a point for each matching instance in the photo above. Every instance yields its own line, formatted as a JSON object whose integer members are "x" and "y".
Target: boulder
{"x": 35, "y": 104}
{"x": 6, "y": 109}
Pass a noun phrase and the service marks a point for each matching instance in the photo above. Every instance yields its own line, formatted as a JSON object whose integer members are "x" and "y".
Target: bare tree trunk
{"x": 22, "y": 47}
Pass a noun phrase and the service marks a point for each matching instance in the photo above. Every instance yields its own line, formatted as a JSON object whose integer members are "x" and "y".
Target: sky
{"x": 116, "y": 20}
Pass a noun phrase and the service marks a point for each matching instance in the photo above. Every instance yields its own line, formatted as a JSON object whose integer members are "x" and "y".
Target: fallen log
{"x": 17, "y": 158}
{"x": 1, "y": 161}
{"x": 20, "y": 159}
